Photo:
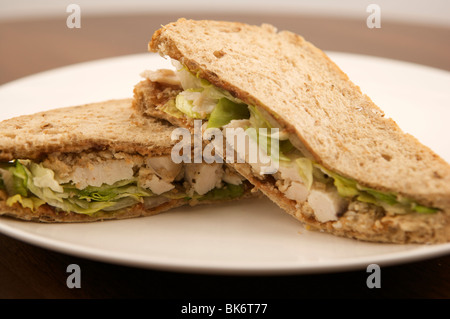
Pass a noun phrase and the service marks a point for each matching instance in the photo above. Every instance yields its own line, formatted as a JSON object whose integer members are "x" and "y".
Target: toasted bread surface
{"x": 111, "y": 125}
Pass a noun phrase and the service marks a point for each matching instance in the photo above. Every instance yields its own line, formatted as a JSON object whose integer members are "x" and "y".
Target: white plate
{"x": 247, "y": 237}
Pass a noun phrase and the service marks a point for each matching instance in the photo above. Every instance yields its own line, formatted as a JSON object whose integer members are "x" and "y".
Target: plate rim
{"x": 419, "y": 253}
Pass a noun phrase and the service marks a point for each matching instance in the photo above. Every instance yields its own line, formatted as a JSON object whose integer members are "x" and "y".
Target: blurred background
{"x": 34, "y": 35}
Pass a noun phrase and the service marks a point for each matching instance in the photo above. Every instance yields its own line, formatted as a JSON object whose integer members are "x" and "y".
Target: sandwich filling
{"x": 87, "y": 183}
{"x": 299, "y": 177}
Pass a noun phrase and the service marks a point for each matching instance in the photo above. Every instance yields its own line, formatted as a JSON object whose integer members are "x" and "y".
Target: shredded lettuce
{"x": 33, "y": 185}
{"x": 185, "y": 106}
{"x": 364, "y": 197}
{"x": 257, "y": 120}
{"x": 171, "y": 109}
{"x": 84, "y": 207}
{"x": 28, "y": 202}
{"x": 20, "y": 180}
{"x": 286, "y": 147}
{"x": 187, "y": 79}
{"x": 226, "y": 111}
{"x": 199, "y": 98}
{"x": 390, "y": 201}
{"x": 305, "y": 171}
{"x": 106, "y": 193}
{"x": 345, "y": 187}
{"x": 423, "y": 209}
{"x": 213, "y": 92}
{"x": 386, "y": 197}
{"x": 190, "y": 81}
{"x": 44, "y": 177}
{"x": 229, "y": 191}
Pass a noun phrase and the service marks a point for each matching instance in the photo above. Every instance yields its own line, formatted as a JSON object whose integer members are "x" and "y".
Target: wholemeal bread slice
{"x": 69, "y": 138}
{"x": 97, "y": 126}
{"x": 337, "y": 125}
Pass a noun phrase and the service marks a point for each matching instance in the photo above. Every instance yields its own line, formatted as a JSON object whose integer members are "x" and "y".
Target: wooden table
{"x": 26, "y": 271}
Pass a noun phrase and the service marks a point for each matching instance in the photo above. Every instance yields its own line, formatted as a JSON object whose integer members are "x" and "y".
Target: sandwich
{"x": 343, "y": 167}
{"x": 101, "y": 161}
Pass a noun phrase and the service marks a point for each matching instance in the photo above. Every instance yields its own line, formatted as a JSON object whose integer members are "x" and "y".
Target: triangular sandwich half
{"x": 101, "y": 161}
{"x": 344, "y": 168}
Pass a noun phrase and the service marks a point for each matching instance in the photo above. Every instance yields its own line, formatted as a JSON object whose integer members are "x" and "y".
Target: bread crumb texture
{"x": 110, "y": 125}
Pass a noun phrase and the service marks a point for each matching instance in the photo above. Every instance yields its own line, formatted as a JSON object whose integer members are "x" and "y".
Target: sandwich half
{"x": 344, "y": 168}
{"x": 101, "y": 161}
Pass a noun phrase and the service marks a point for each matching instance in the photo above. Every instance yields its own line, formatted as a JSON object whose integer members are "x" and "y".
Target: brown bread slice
{"x": 310, "y": 96}
{"x": 109, "y": 125}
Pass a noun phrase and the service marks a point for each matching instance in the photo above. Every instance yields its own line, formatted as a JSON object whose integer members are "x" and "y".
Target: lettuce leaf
{"x": 257, "y": 120}
{"x": 345, "y": 187}
{"x": 34, "y": 185}
{"x": 286, "y": 146}
{"x": 213, "y": 92}
{"x": 191, "y": 81}
{"x": 84, "y": 207}
{"x": 171, "y": 109}
{"x": 229, "y": 191}
{"x": 28, "y": 202}
{"x": 187, "y": 79}
{"x": 226, "y": 111}
{"x": 366, "y": 198}
{"x": 305, "y": 171}
{"x": 199, "y": 98}
{"x": 423, "y": 209}
{"x": 6, "y": 178}
{"x": 106, "y": 193}
{"x": 390, "y": 201}
{"x": 20, "y": 179}
{"x": 44, "y": 177}
{"x": 185, "y": 106}
{"x": 385, "y": 197}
